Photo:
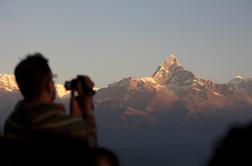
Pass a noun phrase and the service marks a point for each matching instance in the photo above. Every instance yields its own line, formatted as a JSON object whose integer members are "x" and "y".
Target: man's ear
{"x": 51, "y": 90}
{"x": 49, "y": 87}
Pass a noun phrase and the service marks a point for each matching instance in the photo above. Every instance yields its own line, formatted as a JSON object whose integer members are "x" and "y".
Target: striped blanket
{"x": 48, "y": 122}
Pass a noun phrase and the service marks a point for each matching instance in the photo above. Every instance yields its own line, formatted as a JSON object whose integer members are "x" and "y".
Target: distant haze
{"x": 110, "y": 40}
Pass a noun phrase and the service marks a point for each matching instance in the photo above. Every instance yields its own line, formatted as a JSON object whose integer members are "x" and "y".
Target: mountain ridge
{"x": 172, "y": 83}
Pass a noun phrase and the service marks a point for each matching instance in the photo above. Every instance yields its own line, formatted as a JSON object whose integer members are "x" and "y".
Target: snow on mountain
{"x": 61, "y": 91}
{"x": 238, "y": 77}
{"x": 165, "y": 70}
{"x": 139, "y": 84}
{"x": 238, "y": 80}
{"x": 8, "y": 84}
{"x": 96, "y": 89}
{"x": 172, "y": 74}
{"x": 241, "y": 87}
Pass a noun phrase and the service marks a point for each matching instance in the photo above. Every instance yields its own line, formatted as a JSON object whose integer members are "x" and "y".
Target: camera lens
{"x": 68, "y": 85}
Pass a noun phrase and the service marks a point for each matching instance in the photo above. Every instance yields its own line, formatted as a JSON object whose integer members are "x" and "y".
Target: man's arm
{"x": 83, "y": 106}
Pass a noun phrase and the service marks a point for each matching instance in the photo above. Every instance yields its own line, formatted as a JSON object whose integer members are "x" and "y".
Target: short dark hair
{"x": 32, "y": 73}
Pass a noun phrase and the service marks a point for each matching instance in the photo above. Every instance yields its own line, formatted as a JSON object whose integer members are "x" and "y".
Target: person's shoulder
{"x": 54, "y": 115}
{"x": 51, "y": 108}
{"x": 56, "y": 107}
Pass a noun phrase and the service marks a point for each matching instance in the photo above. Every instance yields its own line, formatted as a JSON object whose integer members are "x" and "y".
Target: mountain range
{"x": 171, "y": 83}
{"x": 169, "y": 118}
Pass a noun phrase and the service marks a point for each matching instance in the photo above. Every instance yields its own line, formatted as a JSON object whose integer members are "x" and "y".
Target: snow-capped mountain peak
{"x": 237, "y": 80}
{"x": 8, "y": 82}
{"x": 171, "y": 61}
{"x": 172, "y": 74}
{"x": 238, "y": 77}
{"x": 167, "y": 68}
{"x": 61, "y": 91}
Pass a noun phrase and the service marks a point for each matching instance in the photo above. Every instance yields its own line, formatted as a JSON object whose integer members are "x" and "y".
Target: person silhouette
{"x": 234, "y": 149}
{"x": 39, "y": 131}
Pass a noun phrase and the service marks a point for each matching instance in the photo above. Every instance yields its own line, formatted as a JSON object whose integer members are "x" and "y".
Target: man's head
{"x": 34, "y": 78}
{"x": 105, "y": 157}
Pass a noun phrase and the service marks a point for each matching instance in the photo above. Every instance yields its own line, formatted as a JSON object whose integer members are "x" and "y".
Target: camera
{"x": 79, "y": 81}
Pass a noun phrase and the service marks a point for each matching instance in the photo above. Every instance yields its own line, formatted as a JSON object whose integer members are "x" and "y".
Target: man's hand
{"x": 74, "y": 106}
{"x": 83, "y": 103}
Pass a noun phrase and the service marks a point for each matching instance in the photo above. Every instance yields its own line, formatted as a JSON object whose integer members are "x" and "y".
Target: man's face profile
{"x": 51, "y": 87}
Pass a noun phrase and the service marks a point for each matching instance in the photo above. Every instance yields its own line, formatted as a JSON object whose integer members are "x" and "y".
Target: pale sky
{"x": 110, "y": 40}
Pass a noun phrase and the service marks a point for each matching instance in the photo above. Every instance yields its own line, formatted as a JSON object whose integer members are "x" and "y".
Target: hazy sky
{"x": 110, "y": 40}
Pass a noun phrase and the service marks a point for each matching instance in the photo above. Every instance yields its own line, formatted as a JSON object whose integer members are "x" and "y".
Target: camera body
{"x": 79, "y": 81}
